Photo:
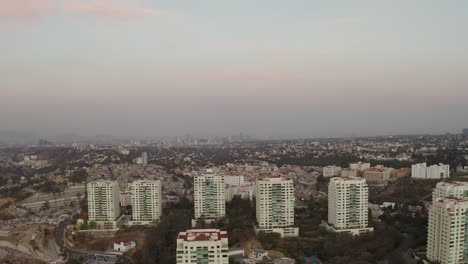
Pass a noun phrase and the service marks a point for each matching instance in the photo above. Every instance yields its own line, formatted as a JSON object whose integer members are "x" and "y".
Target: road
{"x": 87, "y": 256}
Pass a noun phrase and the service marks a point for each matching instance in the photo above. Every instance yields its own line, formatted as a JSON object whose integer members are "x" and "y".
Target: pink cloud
{"x": 24, "y": 8}
{"x": 110, "y": 9}
{"x": 249, "y": 77}
{"x": 105, "y": 8}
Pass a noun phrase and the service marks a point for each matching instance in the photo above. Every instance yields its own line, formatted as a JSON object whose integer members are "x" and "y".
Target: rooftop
{"x": 202, "y": 235}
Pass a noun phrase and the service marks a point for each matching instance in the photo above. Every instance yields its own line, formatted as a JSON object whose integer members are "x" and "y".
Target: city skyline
{"x": 273, "y": 69}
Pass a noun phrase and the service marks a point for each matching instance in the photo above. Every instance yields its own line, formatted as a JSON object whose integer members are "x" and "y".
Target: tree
{"x": 79, "y": 176}
{"x": 269, "y": 240}
{"x": 92, "y": 224}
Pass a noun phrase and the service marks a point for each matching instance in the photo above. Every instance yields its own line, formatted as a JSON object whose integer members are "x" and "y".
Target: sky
{"x": 268, "y": 68}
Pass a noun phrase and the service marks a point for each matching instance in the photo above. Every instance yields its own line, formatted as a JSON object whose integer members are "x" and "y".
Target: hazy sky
{"x": 264, "y": 67}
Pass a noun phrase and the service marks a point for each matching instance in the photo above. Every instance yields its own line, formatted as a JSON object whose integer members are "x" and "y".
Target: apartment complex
{"x": 450, "y": 189}
{"x": 209, "y": 197}
{"x": 348, "y": 203}
{"x": 448, "y": 231}
{"x": 146, "y": 202}
{"x": 275, "y": 206}
{"x": 360, "y": 166}
{"x": 422, "y": 171}
{"x": 331, "y": 171}
{"x": 348, "y": 172}
{"x": 202, "y": 246}
{"x": 378, "y": 176}
{"x": 103, "y": 203}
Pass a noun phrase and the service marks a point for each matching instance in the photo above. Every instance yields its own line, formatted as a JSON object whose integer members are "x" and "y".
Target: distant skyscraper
{"x": 275, "y": 206}
{"x": 146, "y": 201}
{"x": 103, "y": 203}
{"x": 209, "y": 197}
{"x": 144, "y": 158}
{"x": 447, "y": 241}
{"x": 465, "y": 132}
{"x": 202, "y": 246}
{"x": 348, "y": 205}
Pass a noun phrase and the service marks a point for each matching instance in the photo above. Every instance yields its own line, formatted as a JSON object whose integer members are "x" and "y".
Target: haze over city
{"x": 233, "y": 132}
{"x": 270, "y": 68}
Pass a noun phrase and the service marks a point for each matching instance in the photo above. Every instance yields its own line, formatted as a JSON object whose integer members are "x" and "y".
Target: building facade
{"x": 450, "y": 189}
{"x": 103, "y": 203}
{"x": 275, "y": 206}
{"x": 209, "y": 197}
{"x": 331, "y": 171}
{"x": 144, "y": 158}
{"x": 202, "y": 246}
{"x": 347, "y": 172}
{"x": 360, "y": 166}
{"x": 447, "y": 241}
{"x": 348, "y": 205}
{"x": 421, "y": 171}
{"x": 146, "y": 202}
{"x": 378, "y": 176}
{"x": 246, "y": 191}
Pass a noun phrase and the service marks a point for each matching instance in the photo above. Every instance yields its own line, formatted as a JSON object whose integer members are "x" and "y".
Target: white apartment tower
{"x": 202, "y": 246}
{"x": 209, "y": 197}
{"x": 450, "y": 189}
{"x": 144, "y": 158}
{"x": 348, "y": 205}
{"x": 447, "y": 241}
{"x": 103, "y": 203}
{"x": 275, "y": 206}
{"x": 421, "y": 171}
{"x": 146, "y": 202}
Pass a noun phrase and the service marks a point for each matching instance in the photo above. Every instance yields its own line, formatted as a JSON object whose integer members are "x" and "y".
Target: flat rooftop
{"x": 202, "y": 235}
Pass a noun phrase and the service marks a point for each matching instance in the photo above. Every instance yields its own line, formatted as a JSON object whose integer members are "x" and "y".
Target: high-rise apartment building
{"x": 144, "y": 158}
{"x": 465, "y": 132}
{"x": 209, "y": 197}
{"x": 202, "y": 246}
{"x": 450, "y": 189}
{"x": 421, "y": 171}
{"x": 146, "y": 202}
{"x": 275, "y": 206}
{"x": 103, "y": 203}
{"x": 348, "y": 205}
{"x": 447, "y": 241}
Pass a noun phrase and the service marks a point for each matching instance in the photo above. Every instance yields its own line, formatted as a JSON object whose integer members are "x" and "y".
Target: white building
{"x": 209, "y": 197}
{"x": 103, "y": 203}
{"x": 246, "y": 191}
{"x": 359, "y": 166}
{"x": 275, "y": 206}
{"x": 421, "y": 171}
{"x": 146, "y": 202}
{"x": 347, "y": 172}
{"x": 202, "y": 246}
{"x": 348, "y": 204}
{"x": 124, "y": 246}
{"x": 447, "y": 231}
{"x": 450, "y": 189}
{"x": 125, "y": 198}
{"x": 144, "y": 158}
{"x": 234, "y": 180}
{"x": 331, "y": 171}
